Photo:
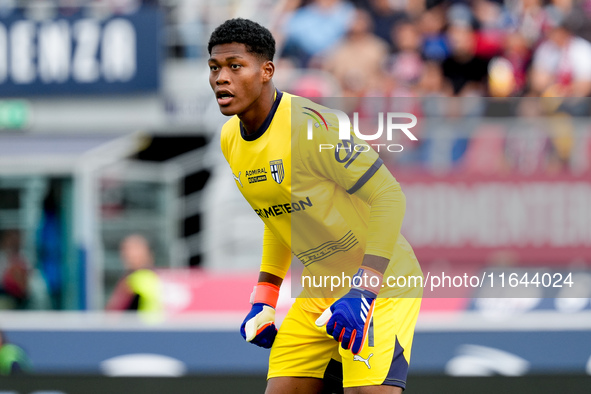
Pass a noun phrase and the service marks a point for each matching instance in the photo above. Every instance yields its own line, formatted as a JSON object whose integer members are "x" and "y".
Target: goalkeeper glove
{"x": 348, "y": 319}
{"x": 259, "y": 325}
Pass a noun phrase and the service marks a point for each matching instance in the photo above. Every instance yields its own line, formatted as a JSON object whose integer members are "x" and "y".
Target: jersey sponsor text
{"x": 280, "y": 209}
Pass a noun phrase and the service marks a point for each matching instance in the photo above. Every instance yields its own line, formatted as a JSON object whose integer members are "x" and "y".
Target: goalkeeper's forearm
{"x": 270, "y": 278}
{"x": 377, "y": 263}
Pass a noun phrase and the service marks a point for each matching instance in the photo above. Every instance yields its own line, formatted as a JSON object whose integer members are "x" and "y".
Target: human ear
{"x": 268, "y": 70}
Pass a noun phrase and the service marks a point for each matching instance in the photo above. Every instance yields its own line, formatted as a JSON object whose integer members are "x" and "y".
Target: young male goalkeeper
{"x": 338, "y": 211}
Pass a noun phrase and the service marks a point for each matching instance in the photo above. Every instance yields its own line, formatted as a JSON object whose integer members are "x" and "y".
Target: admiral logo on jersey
{"x": 277, "y": 170}
{"x": 258, "y": 175}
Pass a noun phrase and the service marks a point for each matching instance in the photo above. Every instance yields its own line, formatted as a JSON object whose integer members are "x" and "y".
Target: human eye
{"x": 213, "y": 67}
{"x": 235, "y": 66}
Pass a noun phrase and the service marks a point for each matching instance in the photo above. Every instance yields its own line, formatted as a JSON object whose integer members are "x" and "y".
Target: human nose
{"x": 222, "y": 77}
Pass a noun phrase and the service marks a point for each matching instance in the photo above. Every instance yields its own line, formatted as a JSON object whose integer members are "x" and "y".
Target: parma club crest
{"x": 277, "y": 171}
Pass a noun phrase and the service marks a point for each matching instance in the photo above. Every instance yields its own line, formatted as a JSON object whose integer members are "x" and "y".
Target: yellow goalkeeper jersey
{"x": 305, "y": 195}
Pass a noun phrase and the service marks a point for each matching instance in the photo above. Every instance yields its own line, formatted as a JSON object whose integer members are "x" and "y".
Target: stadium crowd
{"x": 465, "y": 49}
{"x": 432, "y": 50}
{"x": 442, "y": 47}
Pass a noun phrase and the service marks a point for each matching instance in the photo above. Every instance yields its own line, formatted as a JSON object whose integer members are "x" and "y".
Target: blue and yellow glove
{"x": 348, "y": 319}
{"x": 259, "y": 325}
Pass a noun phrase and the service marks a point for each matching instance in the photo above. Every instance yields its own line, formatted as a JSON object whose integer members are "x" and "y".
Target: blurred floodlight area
{"x": 112, "y": 182}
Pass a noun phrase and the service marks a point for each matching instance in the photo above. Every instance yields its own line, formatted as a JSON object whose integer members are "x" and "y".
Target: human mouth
{"x": 224, "y": 97}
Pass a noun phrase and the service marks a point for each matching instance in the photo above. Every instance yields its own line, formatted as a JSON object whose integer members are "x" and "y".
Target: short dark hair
{"x": 256, "y": 38}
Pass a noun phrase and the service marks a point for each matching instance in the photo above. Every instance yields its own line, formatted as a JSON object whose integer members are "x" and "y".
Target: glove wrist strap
{"x": 368, "y": 279}
{"x": 266, "y": 293}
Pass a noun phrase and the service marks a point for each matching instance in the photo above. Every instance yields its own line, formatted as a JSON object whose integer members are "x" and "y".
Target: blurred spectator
{"x": 580, "y": 19}
{"x": 315, "y": 28}
{"x": 562, "y": 63}
{"x": 501, "y": 78}
{"x": 432, "y": 22}
{"x": 492, "y": 15}
{"x": 406, "y": 65}
{"x": 564, "y": 7}
{"x": 139, "y": 289}
{"x": 492, "y": 22}
{"x": 432, "y": 83}
{"x": 14, "y": 269}
{"x": 357, "y": 62}
{"x": 280, "y": 16}
{"x": 415, "y": 8}
{"x": 385, "y": 18}
{"x": 465, "y": 70}
{"x": 518, "y": 55}
{"x": 529, "y": 20}
{"x": 13, "y": 359}
{"x": 50, "y": 244}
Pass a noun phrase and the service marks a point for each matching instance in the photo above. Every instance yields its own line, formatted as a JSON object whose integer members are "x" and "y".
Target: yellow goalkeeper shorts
{"x": 301, "y": 349}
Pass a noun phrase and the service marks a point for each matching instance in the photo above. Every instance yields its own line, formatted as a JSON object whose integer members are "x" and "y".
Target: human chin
{"x": 229, "y": 109}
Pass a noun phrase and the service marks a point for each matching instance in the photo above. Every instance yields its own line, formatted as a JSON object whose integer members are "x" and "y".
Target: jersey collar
{"x": 266, "y": 123}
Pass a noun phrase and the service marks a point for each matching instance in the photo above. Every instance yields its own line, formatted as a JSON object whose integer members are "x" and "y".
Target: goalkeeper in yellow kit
{"x": 339, "y": 212}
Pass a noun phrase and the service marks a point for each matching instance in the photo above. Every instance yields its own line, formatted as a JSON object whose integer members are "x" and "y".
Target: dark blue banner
{"x": 469, "y": 353}
{"x": 78, "y": 54}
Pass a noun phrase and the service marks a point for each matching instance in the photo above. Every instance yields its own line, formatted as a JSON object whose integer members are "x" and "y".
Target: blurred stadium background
{"x": 108, "y": 128}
